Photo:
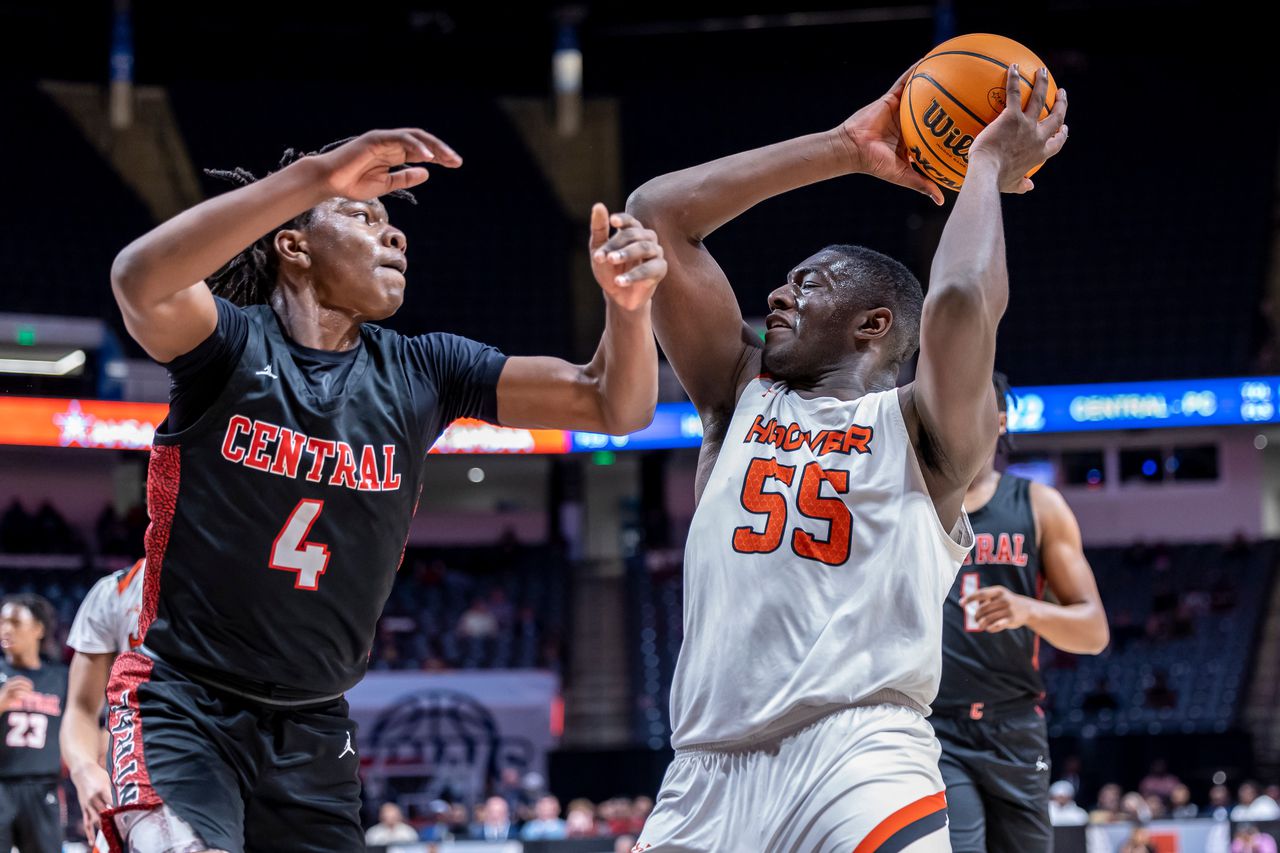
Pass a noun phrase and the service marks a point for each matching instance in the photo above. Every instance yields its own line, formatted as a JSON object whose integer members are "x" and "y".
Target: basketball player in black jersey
{"x": 283, "y": 481}
{"x": 33, "y": 693}
{"x": 995, "y": 750}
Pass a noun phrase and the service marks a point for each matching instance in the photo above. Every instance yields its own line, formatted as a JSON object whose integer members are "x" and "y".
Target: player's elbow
{"x": 1102, "y": 638}
{"x": 646, "y": 203}
{"x": 659, "y": 204}
{"x": 628, "y": 415}
{"x": 960, "y": 299}
{"x": 127, "y": 274}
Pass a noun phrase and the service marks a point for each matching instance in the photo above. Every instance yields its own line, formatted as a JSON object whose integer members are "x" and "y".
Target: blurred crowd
{"x": 506, "y": 817}
{"x": 1161, "y": 795}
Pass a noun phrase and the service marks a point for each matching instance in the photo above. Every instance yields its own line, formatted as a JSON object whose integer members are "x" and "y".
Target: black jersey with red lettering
{"x": 29, "y": 730}
{"x": 1001, "y": 669}
{"x": 280, "y": 514}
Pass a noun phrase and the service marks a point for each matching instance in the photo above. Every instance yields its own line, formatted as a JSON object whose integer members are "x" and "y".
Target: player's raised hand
{"x": 1018, "y": 140}
{"x": 13, "y": 690}
{"x": 628, "y": 265}
{"x": 999, "y": 609}
{"x": 875, "y": 140}
{"x": 367, "y": 166}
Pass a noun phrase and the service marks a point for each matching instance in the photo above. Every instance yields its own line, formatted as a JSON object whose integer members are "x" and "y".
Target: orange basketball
{"x": 956, "y": 91}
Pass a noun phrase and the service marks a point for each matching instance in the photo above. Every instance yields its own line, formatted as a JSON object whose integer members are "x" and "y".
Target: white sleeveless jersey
{"x": 814, "y": 573}
{"x": 107, "y": 621}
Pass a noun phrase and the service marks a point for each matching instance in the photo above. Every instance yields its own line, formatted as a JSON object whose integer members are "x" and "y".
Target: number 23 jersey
{"x": 814, "y": 573}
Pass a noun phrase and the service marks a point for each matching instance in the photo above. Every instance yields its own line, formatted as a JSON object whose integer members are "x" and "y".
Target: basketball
{"x": 956, "y": 91}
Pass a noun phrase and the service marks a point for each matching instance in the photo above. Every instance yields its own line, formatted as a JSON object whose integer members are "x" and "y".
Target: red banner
{"x": 40, "y": 422}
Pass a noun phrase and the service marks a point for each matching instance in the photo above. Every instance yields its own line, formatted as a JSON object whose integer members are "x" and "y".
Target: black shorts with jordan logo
{"x": 996, "y": 770}
{"x": 246, "y": 776}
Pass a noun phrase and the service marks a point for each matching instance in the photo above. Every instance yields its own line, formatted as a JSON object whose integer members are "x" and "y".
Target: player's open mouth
{"x": 775, "y": 321}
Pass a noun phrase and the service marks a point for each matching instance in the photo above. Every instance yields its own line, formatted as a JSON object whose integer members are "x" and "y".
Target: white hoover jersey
{"x": 815, "y": 570}
{"x": 107, "y": 621}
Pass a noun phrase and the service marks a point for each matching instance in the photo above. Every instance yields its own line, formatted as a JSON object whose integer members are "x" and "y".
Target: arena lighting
{"x": 60, "y": 366}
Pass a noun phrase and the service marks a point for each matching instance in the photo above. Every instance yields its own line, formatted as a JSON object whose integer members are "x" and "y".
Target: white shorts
{"x": 856, "y": 781}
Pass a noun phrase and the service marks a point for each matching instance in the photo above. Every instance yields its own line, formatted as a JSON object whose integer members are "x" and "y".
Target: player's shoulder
{"x": 1048, "y": 504}
{"x": 106, "y": 585}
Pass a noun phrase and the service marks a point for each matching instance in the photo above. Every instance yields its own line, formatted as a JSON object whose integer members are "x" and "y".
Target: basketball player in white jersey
{"x": 830, "y": 523}
{"x": 105, "y": 625}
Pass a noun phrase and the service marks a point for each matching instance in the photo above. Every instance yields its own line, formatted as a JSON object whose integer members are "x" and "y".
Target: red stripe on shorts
{"x": 163, "y": 475}
{"x": 901, "y": 819}
{"x": 127, "y": 765}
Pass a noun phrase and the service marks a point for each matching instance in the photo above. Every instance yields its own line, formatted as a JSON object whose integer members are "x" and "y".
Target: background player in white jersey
{"x": 830, "y": 521}
{"x": 105, "y": 625}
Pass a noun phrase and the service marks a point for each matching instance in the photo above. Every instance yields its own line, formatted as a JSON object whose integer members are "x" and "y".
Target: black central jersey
{"x": 280, "y": 517}
{"x": 29, "y": 731}
{"x": 1002, "y": 668}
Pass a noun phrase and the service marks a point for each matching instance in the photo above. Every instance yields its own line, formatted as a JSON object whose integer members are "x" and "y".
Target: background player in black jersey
{"x": 995, "y": 750}
{"x": 33, "y": 693}
{"x": 283, "y": 481}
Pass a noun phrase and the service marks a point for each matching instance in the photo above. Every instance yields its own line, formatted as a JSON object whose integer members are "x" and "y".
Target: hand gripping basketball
{"x": 1017, "y": 140}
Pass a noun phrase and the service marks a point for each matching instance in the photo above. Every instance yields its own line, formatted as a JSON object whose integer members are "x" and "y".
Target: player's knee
{"x": 159, "y": 830}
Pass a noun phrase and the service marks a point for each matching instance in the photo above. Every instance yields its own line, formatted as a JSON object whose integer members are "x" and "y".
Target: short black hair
{"x": 883, "y": 281}
{"x": 1003, "y": 392}
{"x": 38, "y": 606}
{"x": 250, "y": 277}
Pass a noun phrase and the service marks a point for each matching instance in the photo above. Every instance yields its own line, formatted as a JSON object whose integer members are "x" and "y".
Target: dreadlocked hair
{"x": 250, "y": 277}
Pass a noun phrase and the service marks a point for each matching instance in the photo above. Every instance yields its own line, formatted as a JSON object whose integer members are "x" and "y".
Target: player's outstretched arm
{"x": 1075, "y": 622}
{"x": 81, "y": 737}
{"x": 158, "y": 279}
{"x": 617, "y": 391}
{"x": 696, "y": 315}
{"x": 949, "y": 408}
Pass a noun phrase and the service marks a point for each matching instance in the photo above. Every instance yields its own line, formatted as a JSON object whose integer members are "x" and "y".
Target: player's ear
{"x": 291, "y": 246}
{"x": 874, "y": 324}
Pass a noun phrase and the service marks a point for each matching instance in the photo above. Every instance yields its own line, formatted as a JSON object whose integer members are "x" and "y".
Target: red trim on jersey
{"x": 1035, "y": 648}
{"x": 131, "y": 784}
{"x": 123, "y": 583}
{"x": 901, "y": 819}
{"x": 163, "y": 475}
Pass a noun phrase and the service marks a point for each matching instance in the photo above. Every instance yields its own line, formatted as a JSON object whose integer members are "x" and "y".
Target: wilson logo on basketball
{"x": 942, "y": 126}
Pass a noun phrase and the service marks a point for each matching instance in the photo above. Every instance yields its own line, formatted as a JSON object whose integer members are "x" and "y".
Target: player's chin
{"x": 388, "y": 302}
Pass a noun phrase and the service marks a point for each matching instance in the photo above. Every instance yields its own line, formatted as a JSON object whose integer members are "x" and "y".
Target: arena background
{"x": 529, "y": 643}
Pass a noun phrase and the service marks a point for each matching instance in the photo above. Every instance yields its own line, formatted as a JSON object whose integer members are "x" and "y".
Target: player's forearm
{"x": 692, "y": 203}
{"x": 969, "y": 265}
{"x": 626, "y": 370}
{"x": 197, "y": 242}
{"x": 80, "y": 737}
{"x": 1080, "y": 629}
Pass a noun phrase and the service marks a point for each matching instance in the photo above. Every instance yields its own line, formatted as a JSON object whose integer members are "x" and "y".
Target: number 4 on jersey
{"x": 292, "y": 553}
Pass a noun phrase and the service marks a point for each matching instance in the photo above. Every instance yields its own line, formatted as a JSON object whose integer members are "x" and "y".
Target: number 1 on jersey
{"x": 292, "y": 553}
{"x": 970, "y": 584}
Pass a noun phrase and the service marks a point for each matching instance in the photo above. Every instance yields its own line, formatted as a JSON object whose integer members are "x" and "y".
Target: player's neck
{"x": 311, "y": 324}
{"x": 19, "y": 660}
{"x": 845, "y": 382}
